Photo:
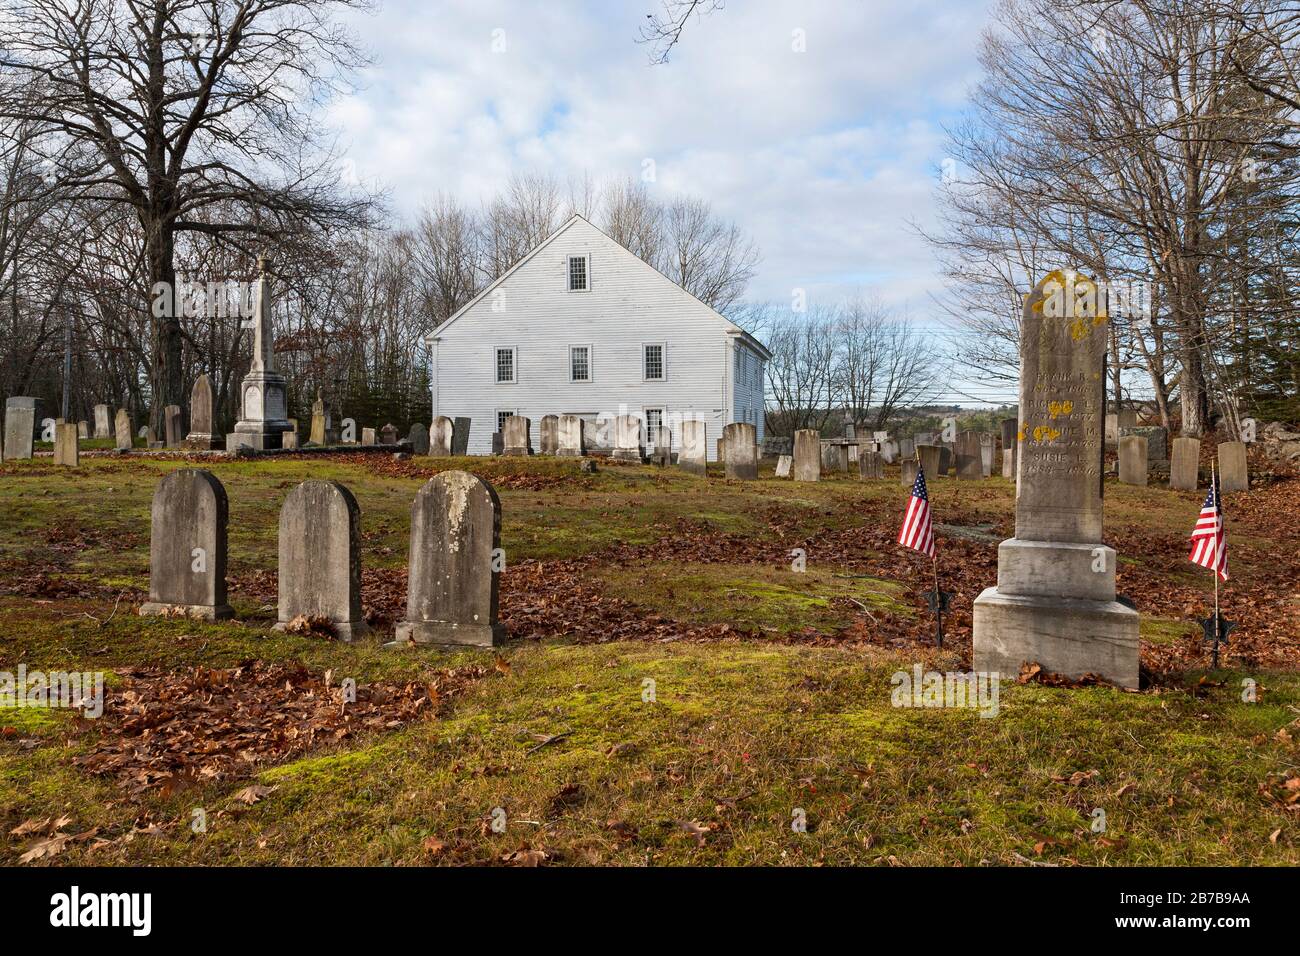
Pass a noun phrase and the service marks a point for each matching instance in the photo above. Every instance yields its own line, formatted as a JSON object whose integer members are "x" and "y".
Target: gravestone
{"x": 388, "y": 434}
{"x": 1233, "y": 475}
{"x": 368, "y": 436}
{"x": 320, "y": 423}
{"x": 21, "y": 416}
{"x": 1185, "y": 464}
{"x": 720, "y": 451}
{"x": 172, "y": 433}
{"x": 1009, "y": 445}
{"x": 783, "y": 465}
{"x": 67, "y": 445}
{"x": 498, "y": 443}
{"x": 1116, "y": 422}
{"x": 515, "y": 436}
{"x": 549, "y": 434}
{"x": 101, "y": 421}
{"x": 987, "y": 448}
{"x": 909, "y": 472}
{"x": 807, "y": 455}
{"x": 1157, "y": 440}
{"x": 187, "y": 547}
{"x": 320, "y": 558}
{"x": 146, "y": 433}
{"x": 906, "y": 448}
{"x": 741, "y": 444}
{"x": 871, "y": 465}
{"x": 289, "y": 439}
{"x": 202, "y": 435}
{"x": 441, "y": 436}
{"x": 1133, "y": 464}
{"x": 627, "y": 438}
{"x": 835, "y": 458}
{"x": 661, "y": 438}
{"x": 570, "y": 440}
{"x": 970, "y": 460}
{"x": 460, "y": 436}
{"x": 83, "y": 430}
{"x": 419, "y": 438}
{"x": 122, "y": 430}
{"x": 1054, "y": 602}
{"x": 454, "y": 564}
{"x": 930, "y": 456}
{"x": 263, "y": 400}
{"x": 947, "y": 458}
{"x": 694, "y": 454}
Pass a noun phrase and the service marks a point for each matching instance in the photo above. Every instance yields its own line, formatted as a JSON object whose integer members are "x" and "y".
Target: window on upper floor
{"x": 578, "y": 274}
{"x": 580, "y": 363}
{"x": 653, "y": 362}
{"x": 505, "y": 368}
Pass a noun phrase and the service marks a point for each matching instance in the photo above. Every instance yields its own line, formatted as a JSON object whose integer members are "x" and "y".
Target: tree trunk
{"x": 166, "y": 378}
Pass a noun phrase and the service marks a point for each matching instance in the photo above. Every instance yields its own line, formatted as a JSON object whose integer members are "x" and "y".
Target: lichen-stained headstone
{"x": 67, "y": 445}
{"x": 320, "y": 558}
{"x": 441, "y": 434}
{"x": 172, "y": 426}
{"x": 419, "y": 438}
{"x": 454, "y": 564}
{"x": 122, "y": 429}
{"x": 101, "y": 421}
{"x": 515, "y": 436}
{"x": 693, "y": 457}
{"x": 21, "y": 416}
{"x": 549, "y": 434}
{"x": 570, "y": 437}
{"x": 1233, "y": 474}
{"x": 741, "y": 450}
{"x": 187, "y": 547}
{"x": 807, "y": 455}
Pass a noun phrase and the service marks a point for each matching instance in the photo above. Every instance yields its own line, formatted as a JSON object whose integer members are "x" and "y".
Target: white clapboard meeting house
{"x": 581, "y": 326}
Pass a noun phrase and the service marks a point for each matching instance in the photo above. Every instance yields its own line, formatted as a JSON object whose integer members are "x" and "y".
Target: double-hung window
{"x": 579, "y": 363}
{"x": 505, "y": 364}
{"x": 653, "y": 362}
{"x": 578, "y": 278}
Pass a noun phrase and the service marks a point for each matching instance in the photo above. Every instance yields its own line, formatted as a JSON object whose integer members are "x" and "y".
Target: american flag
{"x": 1209, "y": 541}
{"x": 917, "y": 533}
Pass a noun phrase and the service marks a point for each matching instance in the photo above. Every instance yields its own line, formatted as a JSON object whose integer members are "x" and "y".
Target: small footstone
{"x": 783, "y": 466}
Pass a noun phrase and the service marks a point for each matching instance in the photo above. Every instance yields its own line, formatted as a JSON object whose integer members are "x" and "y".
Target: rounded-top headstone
{"x": 320, "y": 557}
{"x": 187, "y": 546}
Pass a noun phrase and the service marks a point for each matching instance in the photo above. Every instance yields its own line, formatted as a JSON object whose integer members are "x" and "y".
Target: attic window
{"x": 577, "y": 273}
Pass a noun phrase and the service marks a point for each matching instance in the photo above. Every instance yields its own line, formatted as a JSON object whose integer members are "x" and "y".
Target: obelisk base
{"x": 1067, "y": 636}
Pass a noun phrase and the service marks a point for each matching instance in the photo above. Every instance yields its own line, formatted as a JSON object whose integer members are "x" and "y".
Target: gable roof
{"x": 731, "y": 327}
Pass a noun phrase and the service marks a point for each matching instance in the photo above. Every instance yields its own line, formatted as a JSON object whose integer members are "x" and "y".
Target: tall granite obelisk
{"x": 1055, "y": 599}
{"x": 264, "y": 408}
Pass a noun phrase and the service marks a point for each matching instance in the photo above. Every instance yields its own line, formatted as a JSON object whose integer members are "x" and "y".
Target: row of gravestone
{"x": 454, "y": 564}
{"x": 1136, "y": 462}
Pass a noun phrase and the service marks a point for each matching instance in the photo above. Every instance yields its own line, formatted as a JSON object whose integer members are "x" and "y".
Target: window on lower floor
{"x": 654, "y": 417}
{"x": 501, "y": 419}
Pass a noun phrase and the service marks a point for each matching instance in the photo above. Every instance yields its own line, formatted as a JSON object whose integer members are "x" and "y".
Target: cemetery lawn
{"x": 673, "y": 691}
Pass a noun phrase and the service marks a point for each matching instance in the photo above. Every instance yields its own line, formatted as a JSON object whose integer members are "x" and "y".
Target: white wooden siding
{"x": 628, "y": 305}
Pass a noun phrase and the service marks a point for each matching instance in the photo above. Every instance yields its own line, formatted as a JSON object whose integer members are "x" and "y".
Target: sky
{"x": 818, "y": 127}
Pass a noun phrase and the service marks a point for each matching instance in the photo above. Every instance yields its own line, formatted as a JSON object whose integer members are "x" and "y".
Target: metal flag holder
{"x": 938, "y": 602}
{"x": 1216, "y": 628}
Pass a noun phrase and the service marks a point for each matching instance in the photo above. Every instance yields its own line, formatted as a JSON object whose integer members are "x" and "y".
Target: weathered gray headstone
{"x": 930, "y": 456}
{"x": 906, "y": 448}
{"x": 102, "y": 421}
{"x": 871, "y": 465}
{"x": 187, "y": 546}
{"x": 721, "y": 450}
{"x": 970, "y": 460}
{"x": 1185, "y": 464}
{"x": 21, "y": 416}
{"x": 441, "y": 434}
{"x": 549, "y": 434}
{"x": 909, "y": 472}
{"x": 419, "y": 437}
{"x": 570, "y": 438}
{"x": 1133, "y": 464}
{"x": 320, "y": 422}
{"x": 1054, "y": 603}
{"x": 1009, "y": 464}
{"x": 1116, "y": 422}
{"x": 122, "y": 429}
{"x": 454, "y": 564}
{"x": 628, "y": 443}
{"x": 498, "y": 443}
{"x": 1009, "y": 445}
{"x": 661, "y": 437}
{"x": 947, "y": 459}
{"x": 987, "y": 447}
{"x": 807, "y": 455}
{"x": 67, "y": 445}
{"x": 515, "y": 436}
{"x": 289, "y": 439}
{"x": 783, "y": 465}
{"x": 740, "y": 439}
{"x": 368, "y": 437}
{"x": 835, "y": 458}
{"x": 460, "y": 436}
{"x": 694, "y": 454}
{"x": 172, "y": 433}
{"x": 1157, "y": 440}
{"x": 83, "y": 430}
{"x": 202, "y": 435}
{"x": 1233, "y": 475}
{"x": 388, "y": 434}
{"x": 320, "y": 558}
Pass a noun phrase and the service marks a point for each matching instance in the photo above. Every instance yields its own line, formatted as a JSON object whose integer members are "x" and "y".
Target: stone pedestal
{"x": 264, "y": 407}
{"x": 1054, "y": 603}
